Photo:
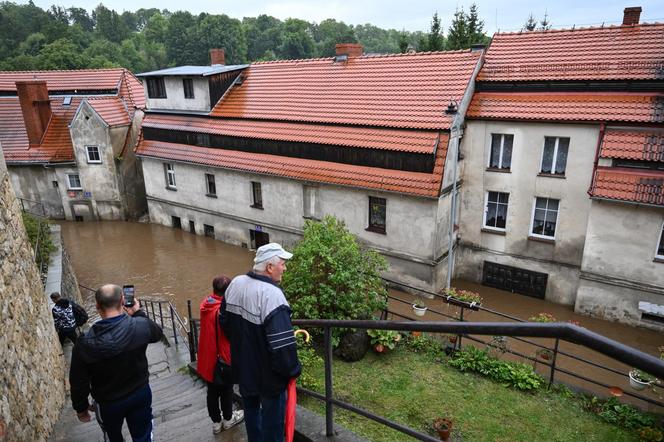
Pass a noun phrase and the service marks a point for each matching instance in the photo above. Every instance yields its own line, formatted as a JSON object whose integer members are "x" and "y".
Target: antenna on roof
{"x": 602, "y": 25}
{"x": 573, "y": 26}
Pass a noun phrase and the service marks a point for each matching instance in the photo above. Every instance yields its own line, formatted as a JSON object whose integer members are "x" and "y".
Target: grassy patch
{"x": 412, "y": 388}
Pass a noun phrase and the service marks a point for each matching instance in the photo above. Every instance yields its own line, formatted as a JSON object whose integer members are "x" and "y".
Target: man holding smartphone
{"x": 109, "y": 362}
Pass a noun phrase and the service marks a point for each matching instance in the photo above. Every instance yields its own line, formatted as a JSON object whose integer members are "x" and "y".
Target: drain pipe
{"x": 450, "y": 241}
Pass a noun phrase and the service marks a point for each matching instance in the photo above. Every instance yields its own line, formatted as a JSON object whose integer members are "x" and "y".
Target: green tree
{"x": 531, "y": 23}
{"x": 375, "y": 39}
{"x": 33, "y": 44}
{"x": 110, "y": 25}
{"x": 403, "y": 42}
{"x": 79, "y": 16}
{"x": 179, "y": 38}
{"x": 220, "y": 31}
{"x": 466, "y": 29}
{"x": 61, "y": 54}
{"x": 297, "y": 41}
{"x": 331, "y": 277}
{"x": 436, "y": 41}
{"x": 263, "y": 34}
{"x": 475, "y": 27}
{"x": 330, "y": 32}
{"x": 545, "y": 24}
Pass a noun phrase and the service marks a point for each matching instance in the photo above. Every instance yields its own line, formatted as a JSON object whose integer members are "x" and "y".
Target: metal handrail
{"x": 559, "y": 331}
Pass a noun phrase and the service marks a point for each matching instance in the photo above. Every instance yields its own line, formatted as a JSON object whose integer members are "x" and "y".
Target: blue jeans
{"x": 136, "y": 408}
{"x": 264, "y": 417}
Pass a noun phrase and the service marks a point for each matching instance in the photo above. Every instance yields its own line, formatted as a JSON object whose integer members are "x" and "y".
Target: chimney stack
{"x": 349, "y": 49}
{"x": 217, "y": 56}
{"x": 632, "y": 16}
{"x": 35, "y": 106}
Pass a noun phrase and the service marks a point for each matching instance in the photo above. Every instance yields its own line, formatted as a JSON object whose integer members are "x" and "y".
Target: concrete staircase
{"x": 178, "y": 406}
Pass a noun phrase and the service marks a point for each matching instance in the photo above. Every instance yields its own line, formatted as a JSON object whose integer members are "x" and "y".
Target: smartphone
{"x": 128, "y": 291}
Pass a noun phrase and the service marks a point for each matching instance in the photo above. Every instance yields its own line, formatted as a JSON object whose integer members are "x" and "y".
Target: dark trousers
{"x": 217, "y": 394}
{"x": 64, "y": 334}
{"x": 264, "y": 417}
{"x": 136, "y": 408}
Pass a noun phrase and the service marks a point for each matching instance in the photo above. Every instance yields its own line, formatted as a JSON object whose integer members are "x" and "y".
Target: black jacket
{"x": 109, "y": 360}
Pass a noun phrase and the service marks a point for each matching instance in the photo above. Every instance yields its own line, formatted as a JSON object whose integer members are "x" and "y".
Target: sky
{"x": 411, "y": 15}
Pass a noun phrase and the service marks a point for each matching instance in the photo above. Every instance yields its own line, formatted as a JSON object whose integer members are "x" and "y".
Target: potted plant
{"x": 384, "y": 339}
{"x": 639, "y": 380}
{"x": 544, "y": 353}
{"x": 443, "y": 426}
{"x": 419, "y": 307}
{"x": 542, "y": 317}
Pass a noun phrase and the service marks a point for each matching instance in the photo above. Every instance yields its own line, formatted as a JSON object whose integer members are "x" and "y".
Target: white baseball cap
{"x": 270, "y": 250}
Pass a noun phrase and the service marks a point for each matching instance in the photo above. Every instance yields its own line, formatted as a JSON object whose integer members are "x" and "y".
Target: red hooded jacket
{"x": 207, "y": 344}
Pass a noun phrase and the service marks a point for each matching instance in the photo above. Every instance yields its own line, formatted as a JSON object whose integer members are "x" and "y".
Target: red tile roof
{"x": 414, "y": 183}
{"x": 633, "y": 144}
{"x": 372, "y": 138}
{"x": 80, "y": 80}
{"x": 568, "y": 106}
{"x": 646, "y": 187}
{"x": 398, "y": 91}
{"x": 111, "y": 109}
{"x": 131, "y": 90}
{"x": 607, "y": 53}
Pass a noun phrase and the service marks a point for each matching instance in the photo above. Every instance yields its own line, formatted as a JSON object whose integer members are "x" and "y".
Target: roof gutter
{"x": 633, "y": 203}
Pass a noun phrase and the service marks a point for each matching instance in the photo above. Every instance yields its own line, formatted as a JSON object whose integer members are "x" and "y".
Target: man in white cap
{"x": 256, "y": 319}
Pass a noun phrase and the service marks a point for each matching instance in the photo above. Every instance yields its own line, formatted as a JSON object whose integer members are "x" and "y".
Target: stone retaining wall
{"x": 32, "y": 371}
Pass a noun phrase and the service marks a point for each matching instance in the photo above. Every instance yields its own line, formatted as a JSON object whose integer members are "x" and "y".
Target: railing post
{"x": 192, "y": 353}
{"x": 553, "y": 362}
{"x": 329, "y": 420}
{"x": 147, "y": 309}
{"x": 175, "y": 335}
{"x": 152, "y": 307}
{"x": 161, "y": 317}
{"x": 459, "y": 335}
{"x": 193, "y": 322}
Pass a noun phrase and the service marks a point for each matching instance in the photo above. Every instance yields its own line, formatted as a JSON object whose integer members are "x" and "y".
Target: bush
{"x": 331, "y": 277}
{"x": 612, "y": 411}
{"x": 386, "y": 338}
{"x": 310, "y": 362}
{"x": 37, "y": 228}
{"x": 512, "y": 374}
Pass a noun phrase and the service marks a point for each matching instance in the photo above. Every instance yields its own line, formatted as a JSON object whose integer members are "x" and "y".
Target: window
{"x": 310, "y": 201}
{"x": 210, "y": 185}
{"x": 192, "y": 226}
{"x": 66, "y": 101}
{"x": 74, "y": 181}
{"x": 170, "y": 176}
{"x": 660, "y": 247}
{"x": 495, "y": 212}
{"x": 377, "y": 214}
{"x": 156, "y": 87}
{"x": 188, "y": 86}
{"x": 501, "y": 151}
{"x": 545, "y": 217}
{"x": 93, "y": 154}
{"x": 554, "y": 157}
{"x": 257, "y": 195}
{"x": 176, "y": 221}
{"x": 208, "y": 230}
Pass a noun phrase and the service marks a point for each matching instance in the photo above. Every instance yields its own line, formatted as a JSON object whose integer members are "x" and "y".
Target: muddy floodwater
{"x": 175, "y": 265}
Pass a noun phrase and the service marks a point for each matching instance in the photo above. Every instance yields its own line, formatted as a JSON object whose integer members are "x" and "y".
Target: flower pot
{"x": 379, "y": 348}
{"x": 635, "y": 383}
{"x": 443, "y": 427}
{"x": 416, "y": 334}
{"x": 452, "y": 339}
{"x": 419, "y": 311}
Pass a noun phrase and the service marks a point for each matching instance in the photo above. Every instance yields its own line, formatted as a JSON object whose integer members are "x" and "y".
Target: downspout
{"x": 600, "y": 138}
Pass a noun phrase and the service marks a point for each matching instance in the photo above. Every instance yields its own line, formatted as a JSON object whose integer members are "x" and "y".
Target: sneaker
{"x": 216, "y": 427}
{"x": 238, "y": 416}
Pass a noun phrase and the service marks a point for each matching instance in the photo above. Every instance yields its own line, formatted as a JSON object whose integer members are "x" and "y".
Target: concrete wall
{"x": 175, "y": 95}
{"x": 411, "y": 222}
{"x": 130, "y": 176}
{"x": 619, "y": 267}
{"x": 561, "y": 259}
{"x": 32, "y": 371}
{"x": 35, "y": 183}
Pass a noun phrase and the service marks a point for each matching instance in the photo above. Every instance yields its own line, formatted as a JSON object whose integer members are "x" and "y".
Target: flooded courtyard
{"x": 175, "y": 265}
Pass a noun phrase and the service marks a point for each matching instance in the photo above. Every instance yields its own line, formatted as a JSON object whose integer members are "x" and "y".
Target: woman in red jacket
{"x": 213, "y": 342}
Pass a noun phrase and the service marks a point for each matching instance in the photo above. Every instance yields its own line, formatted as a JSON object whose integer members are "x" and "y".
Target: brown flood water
{"x": 175, "y": 265}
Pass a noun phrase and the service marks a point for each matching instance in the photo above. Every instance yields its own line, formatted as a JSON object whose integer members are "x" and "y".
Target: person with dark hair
{"x": 109, "y": 362}
{"x": 256, "y": 319}
{"x": 63, "y": 318}
{"x": 212, "y": 345}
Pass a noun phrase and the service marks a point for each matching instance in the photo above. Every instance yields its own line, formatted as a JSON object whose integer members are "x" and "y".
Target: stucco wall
{"x": 560, "y": 259}
{"x": 411, "y": 222}
{"x": 175, "y": 95}
{"x": 619, "y": 267}
{"x": 32, "y": 370}
{"x": 35, "y": 183}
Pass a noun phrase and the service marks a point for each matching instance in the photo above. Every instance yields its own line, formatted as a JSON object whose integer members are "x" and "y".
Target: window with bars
{"x": 495, "y": 211}
{"x": 188, "y": 86}
{"x": 93, "y": 154}
{"x": 156, "y": 87}
{"x": 545, "y": 217}
{"x": 169, "y": 170}
{"x": 210, "y": 185}
{"x": 501, "y": 151}
{"x": 74, "y": 181}
{"x": 377, "y": 214}
{"x": 660, "y": 247}
{"x": 257, "y": 195}
{"x": 554, "y": 156}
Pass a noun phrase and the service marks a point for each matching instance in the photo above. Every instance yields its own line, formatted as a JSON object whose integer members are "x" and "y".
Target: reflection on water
{"x": 176, "y": 265}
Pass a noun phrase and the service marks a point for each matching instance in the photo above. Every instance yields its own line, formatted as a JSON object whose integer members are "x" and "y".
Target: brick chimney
{"x": 349, "y": 49}
{"x": 217, "y": 56}
{"x": 632, "y": 16}
{"x": 35, "y": 106}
